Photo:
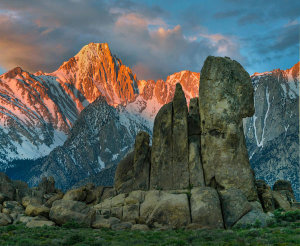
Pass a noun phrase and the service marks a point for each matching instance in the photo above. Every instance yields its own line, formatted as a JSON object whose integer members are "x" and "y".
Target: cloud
{"x": 157, "y": 52}
{"x": 42, "y": 34}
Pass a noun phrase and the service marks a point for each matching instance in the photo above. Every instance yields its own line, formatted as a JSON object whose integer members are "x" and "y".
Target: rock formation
{"x": 225, "y": 98}
{"x": 195, "y": 175}
{"x": 199, "y": 161}
{"x": 169, "y": 155}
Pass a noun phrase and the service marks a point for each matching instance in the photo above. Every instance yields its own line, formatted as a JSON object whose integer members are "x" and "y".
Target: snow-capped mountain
{"x": 38, "y": 110}
{"x": 272, "y": 134}
{"x": 153, "y": 95}
{"x": 36, "y": 114}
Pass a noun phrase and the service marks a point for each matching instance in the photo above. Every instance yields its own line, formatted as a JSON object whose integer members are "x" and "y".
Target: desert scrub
{"x": 74, "y": 235}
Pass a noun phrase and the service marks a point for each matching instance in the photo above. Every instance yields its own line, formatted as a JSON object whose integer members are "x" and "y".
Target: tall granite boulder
{"x": 180, "y": 140}
{"x": 225, "y": 98}
{"x": 161, "y": 175}
{"x": 169, "y": 155}
{"x": 195, "y": 164}
{"x": 133, "y": 172}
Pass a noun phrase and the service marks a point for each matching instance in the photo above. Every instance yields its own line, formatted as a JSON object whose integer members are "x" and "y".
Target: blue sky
{"x": 155, "y": 38}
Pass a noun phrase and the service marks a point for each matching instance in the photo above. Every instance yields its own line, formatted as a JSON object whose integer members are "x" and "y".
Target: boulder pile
{"x": 195, "y": 175}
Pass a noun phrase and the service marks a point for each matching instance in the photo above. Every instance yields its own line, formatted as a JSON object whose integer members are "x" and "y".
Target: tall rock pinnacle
{"x": 225, "y": 98}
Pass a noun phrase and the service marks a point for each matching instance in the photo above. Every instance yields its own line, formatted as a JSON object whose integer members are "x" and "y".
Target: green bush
{"x": 290, "y": 216}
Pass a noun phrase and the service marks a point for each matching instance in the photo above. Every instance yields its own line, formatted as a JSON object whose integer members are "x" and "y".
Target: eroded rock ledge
{"x": 196, "y": 174}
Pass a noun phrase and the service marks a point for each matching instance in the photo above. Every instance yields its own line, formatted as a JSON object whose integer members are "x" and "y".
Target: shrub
{"x": 290, "y": 216}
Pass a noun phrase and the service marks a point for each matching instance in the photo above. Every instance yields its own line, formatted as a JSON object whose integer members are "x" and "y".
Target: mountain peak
{"x": 94, "y": 49}
{"x": 12, "y": 73}
{"x": 95, "y": 72}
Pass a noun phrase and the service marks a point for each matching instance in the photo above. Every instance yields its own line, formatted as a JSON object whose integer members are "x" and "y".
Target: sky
{"x": 154, "y": 38}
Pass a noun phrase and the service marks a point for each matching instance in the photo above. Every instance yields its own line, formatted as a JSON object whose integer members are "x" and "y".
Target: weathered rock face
{"x": 124, "y": 174}
{"x": 195, "y": 165}
{"x": 169, "y": 155}
{"x": 234, "y": 206}
{"x": 64, "y": 211}
{"x": 161, "y": 175}
{"x": 225, "y": 98}
{"x": 133, "y": 172}
{"x": 206, "y": 208}
{"x": 265, "y": 195}
{"x": 141, "y": 162}
{"x": 180, "y": 152}
{"x": 285, "y": 188}
{"x": 171, "y": 210}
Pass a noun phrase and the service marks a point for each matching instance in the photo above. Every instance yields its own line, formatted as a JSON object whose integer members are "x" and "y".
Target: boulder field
{"x": 196, "y": 174}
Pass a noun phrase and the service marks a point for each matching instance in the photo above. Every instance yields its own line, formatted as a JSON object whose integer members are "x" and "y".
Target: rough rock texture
{"x": 225, "y": 98}
{"x": 180, "y": 154}
{"x": 281, "y": 201}
{"x": 151, "y": 199}
{"x": 169, "y": 154}
{"x": 141, "y": 162}
{"x": 265, "y": 195}
{"x": 5, "y": 219}
{"x": 171, "y": 210}
{"x": 36, "y": 210}
{"x": 124, "y": 174}
{"x": 254, "y": 217}
{"x": 234, "y": 206}
{"x": 133, "y": 172}
{"x": 195, "y": 165}
{"x": 63, "y": 211}
{"x": 161, "y": 174}
{"x": 102, "y": 222}
{"x": 206, "y": 207}
{"x": 12, "y": 207}
{"x": 285, "y": 188}
{"x": 76, "y": 195}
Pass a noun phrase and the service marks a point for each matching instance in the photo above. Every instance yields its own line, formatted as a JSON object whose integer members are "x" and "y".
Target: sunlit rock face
{"x": 95, "y": 72}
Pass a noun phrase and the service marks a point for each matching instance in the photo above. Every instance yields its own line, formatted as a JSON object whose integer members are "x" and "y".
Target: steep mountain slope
{"x": 101, "y": 136}
{"x": 38, "y": 110}
{"x": 272, "y": 134}
{"x": 36, "y": 114}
